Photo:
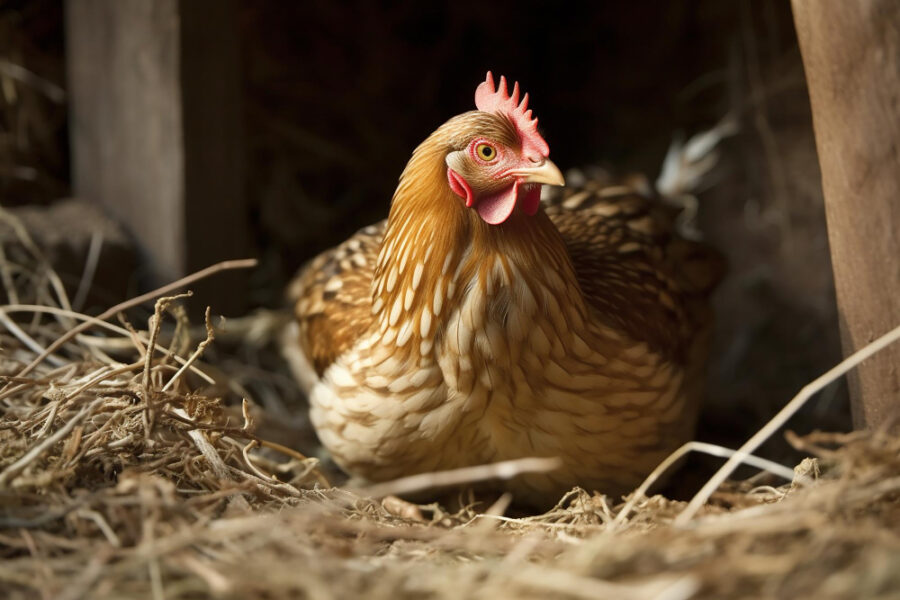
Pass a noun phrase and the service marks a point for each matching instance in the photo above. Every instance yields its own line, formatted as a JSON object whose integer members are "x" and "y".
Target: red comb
{"x": 497, "y": 100}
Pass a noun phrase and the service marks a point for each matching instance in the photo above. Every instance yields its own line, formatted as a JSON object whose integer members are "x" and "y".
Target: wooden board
{"x": 155, "y": 131}
{"x": 851, "y": 54}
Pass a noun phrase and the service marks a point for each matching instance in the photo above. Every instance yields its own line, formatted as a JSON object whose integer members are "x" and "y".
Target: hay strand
{"x": 123, "y": 306}
{"x": 133, "y": 480}
{"x": 776, "y": 422}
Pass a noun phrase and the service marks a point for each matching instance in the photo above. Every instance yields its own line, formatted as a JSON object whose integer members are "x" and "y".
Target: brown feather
{"x": 633, "y": 269}
{"x": 332, "y": 297}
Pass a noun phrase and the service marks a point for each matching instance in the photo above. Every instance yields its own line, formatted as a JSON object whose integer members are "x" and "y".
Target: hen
{"x": 475, "y": 325}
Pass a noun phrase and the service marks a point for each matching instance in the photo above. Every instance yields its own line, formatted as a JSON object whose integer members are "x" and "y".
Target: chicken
{"x": 475, "y": 325}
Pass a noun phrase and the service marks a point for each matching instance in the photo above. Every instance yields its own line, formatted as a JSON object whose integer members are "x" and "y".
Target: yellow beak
{"x": 545, "y": 172}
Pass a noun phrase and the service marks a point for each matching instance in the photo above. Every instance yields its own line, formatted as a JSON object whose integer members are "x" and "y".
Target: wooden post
{"x": 155, "y": 131}
{"x": 851, "y": 54}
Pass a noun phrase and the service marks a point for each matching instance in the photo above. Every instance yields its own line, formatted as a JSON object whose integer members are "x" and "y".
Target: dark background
{"x": 337, "y": 94}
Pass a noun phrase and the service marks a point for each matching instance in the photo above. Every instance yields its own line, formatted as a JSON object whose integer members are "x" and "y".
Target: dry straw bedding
{"x": 120, "y": 477}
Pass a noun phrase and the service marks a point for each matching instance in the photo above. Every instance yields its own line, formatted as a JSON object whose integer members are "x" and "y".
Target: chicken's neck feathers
{"x": 441, "y": 269}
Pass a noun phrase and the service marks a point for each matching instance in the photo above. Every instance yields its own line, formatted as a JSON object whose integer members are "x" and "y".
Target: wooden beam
{"x": 851, "y": 54}
{"x": 155, "y": 131}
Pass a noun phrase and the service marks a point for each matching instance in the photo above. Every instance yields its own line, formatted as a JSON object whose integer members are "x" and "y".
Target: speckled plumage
{"x": 434, "y": 340}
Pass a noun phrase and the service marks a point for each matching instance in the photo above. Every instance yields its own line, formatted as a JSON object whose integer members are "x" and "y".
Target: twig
{"x": 205, "y": 448}
{"x": 135, "y": 337}
{"x": 548, "y": 524}
{"x": 203, "y": 273}
{"x": 90, "y": 269}
{"x": 780, "y": 419}
{"x": 711, "y": 449}
{"x": 28, "y": 243}
{"x": 245, "y": 452}
{"x": 153, "y": 327}
{"x": 6, "y": 277}
{"x": 81, "y": 586}
{"x": 91, "y": 383}
{"x": 323, "y": 481}
{"x": 148, "y": 546}
{"x": 91, "y": 321}
{"x": 27, "y": 339}
{"x": 506, "y": 469}
{"x": 102, "y": 525}
{"x": 7, "y": 391}
{"x": 181, "y": 337}
{"x": 48, "y": 422}
{"x": 245, "y": 412}
{"x": 180, "y": 415}
{"x": 14, "y": 469}
{"x": 21, "y": 74}
{"x": 210, "y": 336}
{"x": 218, "y": 583}
{"x": 99, "y": 354}
{"x": 267, "y": 483}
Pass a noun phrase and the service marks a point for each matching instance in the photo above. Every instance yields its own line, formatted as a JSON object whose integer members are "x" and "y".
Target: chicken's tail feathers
{"x": 686, "y": 170}
{"x": 687, "y": 164}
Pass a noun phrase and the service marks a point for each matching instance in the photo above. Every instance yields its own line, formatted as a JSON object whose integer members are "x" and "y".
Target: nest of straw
{"x": 125, "y": 474}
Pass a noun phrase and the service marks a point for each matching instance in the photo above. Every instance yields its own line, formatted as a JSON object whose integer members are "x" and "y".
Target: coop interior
{"x": 193, "y": 470}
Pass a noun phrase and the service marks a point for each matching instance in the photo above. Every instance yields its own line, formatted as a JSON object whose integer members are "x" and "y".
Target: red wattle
{"x": 496, "y": 208}
{"x": 530, "y": 198}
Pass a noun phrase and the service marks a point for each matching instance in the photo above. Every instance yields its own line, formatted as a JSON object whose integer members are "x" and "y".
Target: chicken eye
{"x": 486, "y": 152}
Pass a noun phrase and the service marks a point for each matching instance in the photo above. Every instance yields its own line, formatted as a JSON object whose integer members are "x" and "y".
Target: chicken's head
{"x": 503, "y": 161}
